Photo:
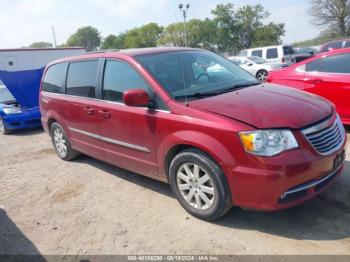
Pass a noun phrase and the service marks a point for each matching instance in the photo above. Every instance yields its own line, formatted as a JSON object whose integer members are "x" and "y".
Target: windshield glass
{"x": 5, "y": 95}
{"x": 257, "y": 60}
{"x": 195, "y": 72}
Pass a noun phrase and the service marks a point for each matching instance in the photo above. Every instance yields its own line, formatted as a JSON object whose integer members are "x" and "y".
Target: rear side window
{"x": 315, "y": 66}
{"x": 257, "y": 53}
{"x": 337, "y": 64}
{"x": 271, "y": 53}
{"x": 81, "y": 78}
{"x": 53, "y": 81}
{"x": 119, "y": 77}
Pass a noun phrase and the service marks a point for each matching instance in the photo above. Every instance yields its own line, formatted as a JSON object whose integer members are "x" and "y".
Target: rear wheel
{"x": 261, "y": 75}
{"x": 3, "y": 129}
{"x": 199, "y": 185}
{"x": 61, "y": 143}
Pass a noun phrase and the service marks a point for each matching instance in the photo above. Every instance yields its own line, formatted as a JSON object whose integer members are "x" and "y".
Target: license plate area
{"x": 338, "y": 160}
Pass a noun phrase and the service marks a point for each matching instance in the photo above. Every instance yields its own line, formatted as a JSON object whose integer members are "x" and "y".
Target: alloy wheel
{"x": 262, "y": 75}
{"x": 60, "y": 142}
{"x": 195, "y": 186}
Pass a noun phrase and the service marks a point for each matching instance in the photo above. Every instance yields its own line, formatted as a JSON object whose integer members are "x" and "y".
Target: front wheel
{"x": 261, "y": 75}
{"x": 199, "y": 185}
{"x": 3, "y": 129}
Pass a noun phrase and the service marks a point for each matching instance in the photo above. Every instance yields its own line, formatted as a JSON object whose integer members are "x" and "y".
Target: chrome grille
{"x": 326, "y": 137}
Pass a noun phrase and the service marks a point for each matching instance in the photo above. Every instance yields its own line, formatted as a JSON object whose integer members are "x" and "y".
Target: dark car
{"x": 338, "y": 44}
{"x": 302, "y": 53}
{"x": 196, "y": 120}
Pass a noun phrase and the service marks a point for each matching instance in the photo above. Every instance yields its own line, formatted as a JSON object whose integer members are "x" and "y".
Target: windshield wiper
{"x": 217, "y": 92}
{"x": 197, "y": 95}
{"x": 238, "y": 86}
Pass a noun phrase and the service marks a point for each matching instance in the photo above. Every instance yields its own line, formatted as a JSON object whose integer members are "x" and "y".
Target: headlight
{"x": 12, "y": 110}
{"x": 268, "y": 142}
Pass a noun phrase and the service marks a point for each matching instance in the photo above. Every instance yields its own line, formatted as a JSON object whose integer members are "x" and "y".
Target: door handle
{"x": 105, "y": 114}
{"x": 89, "y": 110}
{"x": 314, "y": 81}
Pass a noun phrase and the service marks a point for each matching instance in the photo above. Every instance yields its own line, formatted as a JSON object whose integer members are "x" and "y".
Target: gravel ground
{"x": 48, "y": 206}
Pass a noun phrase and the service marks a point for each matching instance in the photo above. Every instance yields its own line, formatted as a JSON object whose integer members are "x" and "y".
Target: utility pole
{"x": 184, "y": 10}
{"x": 54, "y": 37}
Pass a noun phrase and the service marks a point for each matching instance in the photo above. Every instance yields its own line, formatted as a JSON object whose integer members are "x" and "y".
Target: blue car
{"x": 21, "y": 71}
{"x": 12, "y": 116}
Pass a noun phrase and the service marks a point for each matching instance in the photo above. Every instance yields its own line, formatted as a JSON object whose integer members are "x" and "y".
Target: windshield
{"x": 5, "y": 95}
{"x": 257, "y": 60}
{"x": 189, "y": 73}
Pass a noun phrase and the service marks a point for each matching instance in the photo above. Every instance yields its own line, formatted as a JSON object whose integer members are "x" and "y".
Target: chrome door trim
{"x": 112, "y": 141}
{"x": 104, "y": 101}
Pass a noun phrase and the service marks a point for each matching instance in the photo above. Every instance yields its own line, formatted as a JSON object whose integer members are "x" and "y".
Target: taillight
{"x": 282, "y": 59}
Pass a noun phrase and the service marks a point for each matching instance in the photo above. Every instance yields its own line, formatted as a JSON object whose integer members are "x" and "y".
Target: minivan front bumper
{"x": 284, "y": 181}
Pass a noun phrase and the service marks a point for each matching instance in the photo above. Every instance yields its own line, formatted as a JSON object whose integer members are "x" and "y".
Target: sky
{"x": 23, "y": 22}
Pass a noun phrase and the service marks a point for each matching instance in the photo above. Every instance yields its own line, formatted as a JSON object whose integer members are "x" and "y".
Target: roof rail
{"x": 104, "y": 51}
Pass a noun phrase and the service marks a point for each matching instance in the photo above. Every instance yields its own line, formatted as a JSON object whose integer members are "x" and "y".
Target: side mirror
{"x": 136, "y": 97}
{"x": 249, "y": 64}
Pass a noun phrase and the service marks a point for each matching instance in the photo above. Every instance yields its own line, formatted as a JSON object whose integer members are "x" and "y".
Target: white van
{"x": 273, "y": 54}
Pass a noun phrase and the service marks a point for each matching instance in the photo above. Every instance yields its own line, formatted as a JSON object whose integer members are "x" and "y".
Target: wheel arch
{"x": 182, "y": 140}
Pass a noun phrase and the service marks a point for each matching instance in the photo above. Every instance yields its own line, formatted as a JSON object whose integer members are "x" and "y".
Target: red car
{"x": 196, "y": 120}
{"x": 327, "y": 75}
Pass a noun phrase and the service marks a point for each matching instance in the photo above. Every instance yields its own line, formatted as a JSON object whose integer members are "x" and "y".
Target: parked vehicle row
{"x": 256, "y": 66}
{"x": 273, "y": 54}
{"x": 197, "y": 121}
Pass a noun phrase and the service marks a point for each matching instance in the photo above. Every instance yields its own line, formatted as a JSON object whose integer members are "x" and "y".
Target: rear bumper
{"x": 27, "y": 119}
{"x": 278, "y": 186}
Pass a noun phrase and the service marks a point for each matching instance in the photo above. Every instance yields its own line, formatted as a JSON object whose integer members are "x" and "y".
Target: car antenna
{"x": 183, "y": 79}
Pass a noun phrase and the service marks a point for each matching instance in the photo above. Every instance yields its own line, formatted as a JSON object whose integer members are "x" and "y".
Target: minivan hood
{"x": 268, "y": 106}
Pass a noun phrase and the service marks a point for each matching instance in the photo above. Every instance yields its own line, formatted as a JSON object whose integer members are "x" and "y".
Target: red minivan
{"x": 196, "y": 120}
{"x": 327, "y": 75}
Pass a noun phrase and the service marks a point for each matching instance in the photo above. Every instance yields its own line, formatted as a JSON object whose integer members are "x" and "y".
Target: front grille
{"x": 326, "y": 137}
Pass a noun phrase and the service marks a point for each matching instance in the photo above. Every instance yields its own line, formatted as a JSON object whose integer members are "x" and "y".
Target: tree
{"x": 200, "y": 33}
{"x": 244, "y": 28}
{"x": 144, "y": 36}
{"x": 88, "y": 37}
{"x": 173, "y": 35}
{"x": 227, "y": 28}
{"x": 108, "y": 42}
{"x": 249, "y": 19}
{"x": 40, "y": 45}
{"x": 332, "y": 14}
{"x": 268, "y": 35}
{"x": 114, "y": 42}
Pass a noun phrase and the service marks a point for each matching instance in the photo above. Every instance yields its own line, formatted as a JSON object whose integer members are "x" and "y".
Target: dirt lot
{"x": 49, "y": 206}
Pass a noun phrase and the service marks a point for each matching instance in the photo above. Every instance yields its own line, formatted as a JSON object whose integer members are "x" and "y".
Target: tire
{"x": 261, "y": 75}
{"x": 3, "y": 129}
{"x": 207, "y": 178}
{"x": 61, "y": 143}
